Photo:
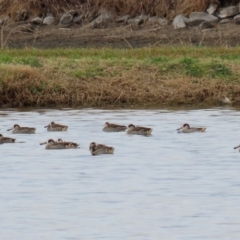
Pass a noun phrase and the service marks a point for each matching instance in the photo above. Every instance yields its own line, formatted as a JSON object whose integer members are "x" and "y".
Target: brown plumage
{"x": 97, "y": 149}
{"x": 139, "y": 130}
{"x": 6, "y": 139}
{"x": 22, "y": 130}
{"x": 187, "y": 129}
{"x": 70, "y": 144}
{"x": 111, "y": 127}
{"x": 55, "y": 127}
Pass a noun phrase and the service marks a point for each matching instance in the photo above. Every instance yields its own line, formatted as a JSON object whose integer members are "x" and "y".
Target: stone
{"x": 135, "y": 21}
{"x": 206, "y": 25}
{"x": 48, "y": 20}
{"x": 228, "y": 12}
{"x": 103, "y": 18}
{"x": 123, "y": 18}
{"x": 65, "y": 19}
{"x": 212, "y": 8}
{"x": 73, "y": 13}
{"x": 180, "y": 21}
{"x": 236, "y": 19}
{"x": 153, "y": 19}
{"x": 163, "y": 21}
{"x": 78, "y": 19}
{"x": 223, "y": 21}
{"x": 36, "y": 21}
{"x": 28, "y": 28}
{"x": 106, "y": 15}
{"x": 195, "y": 18}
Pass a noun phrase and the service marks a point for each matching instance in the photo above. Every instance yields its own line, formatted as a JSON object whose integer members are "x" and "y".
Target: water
{"x": 168, "y": 186}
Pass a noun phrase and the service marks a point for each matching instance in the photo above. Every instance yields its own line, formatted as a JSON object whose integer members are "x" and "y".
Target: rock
{"x": 36, "y": 21}
{"x": 99, "y": 20}
{"x": 223, "y": 21}
{"x": 103, "y": 18}
{"x": 78, "y": 19}
{"x": 123, "y": 18}
{"x": 206, "y": 25}
{"x": 163, "y": 21}
{"x": 137, "y": 20}
{"x": 48, "y": 20}
{"x": 195, "y": 18}
{"x": 106, "y": 15}
{"x": 65, "y": 19}
{"x": 73, "y": 13}
{"x": 212, "y": 8}
{"x": 236, "y": 19}
{"x": 179, "y": 21}
{"x": 228, "y": 12}
{"x": 153, "y": 19}
{"x": 28, "y": 28}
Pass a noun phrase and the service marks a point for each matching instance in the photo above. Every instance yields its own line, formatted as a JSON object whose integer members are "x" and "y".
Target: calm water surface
{"x": 168, "y": 186}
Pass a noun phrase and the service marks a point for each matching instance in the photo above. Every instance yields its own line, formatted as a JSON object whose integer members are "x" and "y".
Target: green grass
{"x": 196, "y": 62}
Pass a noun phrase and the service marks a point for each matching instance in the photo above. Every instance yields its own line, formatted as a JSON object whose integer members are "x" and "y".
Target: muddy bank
{"x": 123, "y": 37}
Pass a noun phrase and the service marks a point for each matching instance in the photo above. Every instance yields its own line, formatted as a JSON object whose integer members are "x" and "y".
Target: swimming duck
{"x": 97, "y": 149}
{"x": 139, "y": 130}
{"x": 6, "y": 139}
{"x": 187, "y": 129}
{"x": 51, "y": 144}
{"x": 111, "y": 127}
{"x": 237, "y": 147}
{"x": 54, "y": 127}
{"x": 70, "y": 144}
{"x": 22, "y": 130}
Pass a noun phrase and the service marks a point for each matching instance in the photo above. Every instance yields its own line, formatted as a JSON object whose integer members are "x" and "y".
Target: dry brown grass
{"x": 163, "y": 8}
{"x": 31, "y": 88}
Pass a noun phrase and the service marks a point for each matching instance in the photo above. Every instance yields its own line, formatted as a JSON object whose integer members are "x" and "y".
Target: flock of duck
{"x": 94, "y": 148}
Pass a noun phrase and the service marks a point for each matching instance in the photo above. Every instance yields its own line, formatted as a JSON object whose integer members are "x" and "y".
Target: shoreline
{"x": 146, "y": 77}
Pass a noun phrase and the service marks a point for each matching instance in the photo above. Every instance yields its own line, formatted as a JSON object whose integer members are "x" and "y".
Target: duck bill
{"x": 43, "y": 143}
{"x": 9, "y": 129}
{"x": 46, "y": 126}
{"x": 179, "y": 128}
{"x": 236, "y": 147}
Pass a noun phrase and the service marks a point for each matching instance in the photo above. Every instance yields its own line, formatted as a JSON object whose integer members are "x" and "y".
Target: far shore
{"x": 145, "y": 77}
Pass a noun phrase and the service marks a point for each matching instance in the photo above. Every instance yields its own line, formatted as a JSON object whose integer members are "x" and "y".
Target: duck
{"x": 55, "y": 127}
{"x": 226, "y": 100}
{"x": 187, "y": 129}
{"x": 70, "y": 144}
{"x": 111, "y": 127}
{"x": 16, "y": 129}
{"x": 145, "y": 131}
{"x": 6, "y": 139}
{"x": 97, "y": 149}
{"x": 237, "y": 147}
{"x": 51, "y": 144}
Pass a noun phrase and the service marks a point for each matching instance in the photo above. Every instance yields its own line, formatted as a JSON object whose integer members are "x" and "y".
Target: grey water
{"x": 167, "y": 186}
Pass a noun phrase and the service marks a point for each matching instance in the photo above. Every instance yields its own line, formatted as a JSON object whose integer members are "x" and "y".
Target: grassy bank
{"x": 117, "y": 77}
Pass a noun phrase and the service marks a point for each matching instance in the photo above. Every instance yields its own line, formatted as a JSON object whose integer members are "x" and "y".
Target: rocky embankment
{"x": 208, "y": 19}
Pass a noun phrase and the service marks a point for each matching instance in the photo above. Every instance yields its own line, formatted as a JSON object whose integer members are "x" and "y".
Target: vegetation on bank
{"x": 118, "y": 77}
{"x": 162, "y": 8}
